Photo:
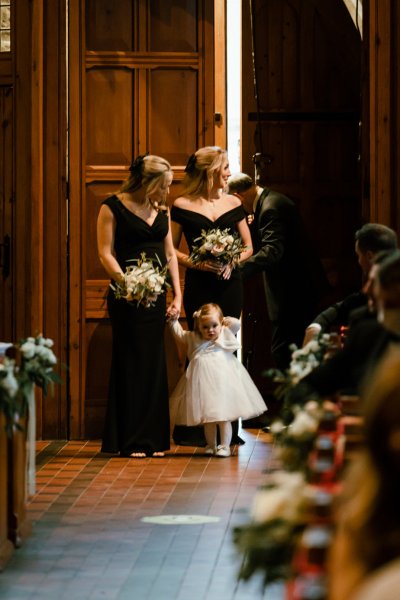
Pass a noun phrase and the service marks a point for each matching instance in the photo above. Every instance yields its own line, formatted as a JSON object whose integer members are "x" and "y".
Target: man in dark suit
{"x": 293, "y": 276}
{"x": 370, "y": 240}
{"x": 368, "y": 339}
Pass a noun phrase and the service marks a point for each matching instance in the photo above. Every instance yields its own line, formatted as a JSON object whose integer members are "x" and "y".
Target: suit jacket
{"x": 293, "y": 275}
{"x": 340, "y": 313}
{"x": 348, "y": 369}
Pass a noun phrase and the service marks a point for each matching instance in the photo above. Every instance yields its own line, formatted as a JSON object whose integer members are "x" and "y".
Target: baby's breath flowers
{"x": 142, "y": 282}
{"x": 219, "y": 245}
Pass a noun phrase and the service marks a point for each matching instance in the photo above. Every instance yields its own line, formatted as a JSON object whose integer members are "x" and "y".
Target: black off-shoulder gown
{"x": 202, "y": 287}
{"x": 137, "y": 417}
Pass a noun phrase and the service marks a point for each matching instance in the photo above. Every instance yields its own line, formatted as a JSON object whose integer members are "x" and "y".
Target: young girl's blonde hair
{"x": 148, "y": 171}
{"x": 200, "y": 169}
{"x": 205, "y": 311}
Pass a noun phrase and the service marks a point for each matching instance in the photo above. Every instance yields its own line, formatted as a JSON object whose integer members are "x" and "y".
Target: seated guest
{"x": 368, "y": 310}
{"x": 367, "y": 339}
{"x": 371, "y": 239}
{"x": 365, "y": 558}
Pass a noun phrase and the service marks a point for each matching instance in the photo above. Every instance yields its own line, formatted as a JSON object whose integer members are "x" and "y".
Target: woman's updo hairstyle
{"x": 148, "y": 171}
{"x": 200, "y": 170}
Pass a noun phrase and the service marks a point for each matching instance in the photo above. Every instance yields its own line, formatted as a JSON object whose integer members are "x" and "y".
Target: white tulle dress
{"x": 215, "y": 386}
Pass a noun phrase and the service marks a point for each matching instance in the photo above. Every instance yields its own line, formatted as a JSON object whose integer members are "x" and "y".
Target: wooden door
{"x": 7, "y": 319}
{"x": 307, "y": 61}
{"x": 141, "y": 80}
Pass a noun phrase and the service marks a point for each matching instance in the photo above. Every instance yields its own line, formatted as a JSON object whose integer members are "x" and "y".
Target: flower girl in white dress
{"x": 216, "y": 388}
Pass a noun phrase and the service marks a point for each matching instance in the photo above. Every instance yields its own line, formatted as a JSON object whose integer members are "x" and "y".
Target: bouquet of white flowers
{"x": 217, "y": 245}
{"x": 30, "y": 361}
{"x": 37, "y": 362}
{"x": 143, "y": 282}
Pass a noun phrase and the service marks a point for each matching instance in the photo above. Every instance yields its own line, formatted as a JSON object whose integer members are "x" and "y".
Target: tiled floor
{"x": 89, "y": 541}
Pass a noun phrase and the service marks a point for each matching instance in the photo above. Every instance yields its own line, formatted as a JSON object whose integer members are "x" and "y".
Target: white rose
{"x": 283, "y": 501}
{"x": 313, "y": 408}
{"x": 303, "y": 423}
{"x": 276, "y": 427}
{"x": 297, "y": 353}
{"x": 28, "y": 349}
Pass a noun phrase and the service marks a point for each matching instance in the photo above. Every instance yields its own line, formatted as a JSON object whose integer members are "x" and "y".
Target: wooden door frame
{"x": 220, "y": 107}
{"x": 75, "y": 311}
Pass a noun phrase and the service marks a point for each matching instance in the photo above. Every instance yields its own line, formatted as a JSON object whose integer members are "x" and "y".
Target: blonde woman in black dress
{"x": 133, "y": 221}
{"x": 204, "y": 205}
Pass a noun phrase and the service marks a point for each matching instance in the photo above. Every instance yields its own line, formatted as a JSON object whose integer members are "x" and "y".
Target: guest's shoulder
{"x": 365, "y": 332}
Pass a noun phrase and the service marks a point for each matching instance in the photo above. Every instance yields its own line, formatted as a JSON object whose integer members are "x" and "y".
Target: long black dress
{"x": 202, "y": 287}
{"x": 137, "y": 418}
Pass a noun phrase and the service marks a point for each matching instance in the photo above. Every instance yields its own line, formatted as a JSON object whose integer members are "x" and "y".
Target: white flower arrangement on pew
{"x": 37, "y": 363}
{"x": 282, "y": 507}
{"x": 218, "y": 245}
{"x": 279, "y": 514}
{"x": 29, "y": 362}
{"x": 302, "y": 409}
{"x": 143, "y": 282}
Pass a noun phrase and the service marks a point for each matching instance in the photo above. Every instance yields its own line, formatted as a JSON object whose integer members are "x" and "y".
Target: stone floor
{"x": 93, "y": 535}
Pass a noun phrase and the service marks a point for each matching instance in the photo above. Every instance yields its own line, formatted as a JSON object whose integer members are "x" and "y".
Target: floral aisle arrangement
{"x": 292, "y": 509}
{"x": 278, "y": 517}
{"x": 219, "y": 245}
{"x": 303, "y": 361}
{"x": 143, "y": 281}
{"x": 303, "y": 411}
{"x": 28, "y": 362}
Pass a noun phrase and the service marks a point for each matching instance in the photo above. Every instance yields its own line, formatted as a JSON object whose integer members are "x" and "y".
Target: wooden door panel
{"x": 283, "y": 142}
{"x": 173, "y": 101}
{"x": 173, "y": 26}
{"x": 109, "y": 25}
{"x": 109, "y": 101}
{"x": 97, "y": 369}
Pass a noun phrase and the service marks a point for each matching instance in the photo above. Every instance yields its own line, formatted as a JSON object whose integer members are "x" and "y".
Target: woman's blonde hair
{"x": 200, "y": 170}
{"x": 205, "y": 311}
{"x": 148, "y": 171}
